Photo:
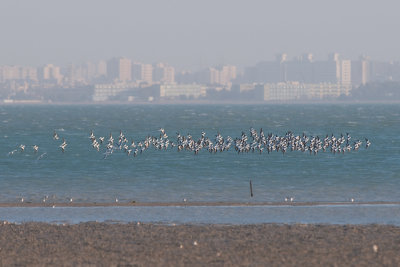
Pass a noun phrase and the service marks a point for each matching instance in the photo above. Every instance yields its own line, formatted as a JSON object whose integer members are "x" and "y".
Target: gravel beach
{"x": 138, "y": 244}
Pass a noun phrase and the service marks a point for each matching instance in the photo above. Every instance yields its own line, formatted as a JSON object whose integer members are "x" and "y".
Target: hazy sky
{"x": 194, "y": 34}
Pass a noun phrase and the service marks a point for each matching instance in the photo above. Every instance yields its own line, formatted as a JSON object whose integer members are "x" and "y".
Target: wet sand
{"x": 102, "y": 244}
{"x": 189, "y": 204}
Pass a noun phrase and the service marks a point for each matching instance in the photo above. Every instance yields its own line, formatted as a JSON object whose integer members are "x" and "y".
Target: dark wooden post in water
{"x": 251, "y": 189}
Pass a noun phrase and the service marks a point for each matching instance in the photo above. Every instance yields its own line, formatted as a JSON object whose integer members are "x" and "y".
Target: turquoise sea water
{"x": 81, "y": 173}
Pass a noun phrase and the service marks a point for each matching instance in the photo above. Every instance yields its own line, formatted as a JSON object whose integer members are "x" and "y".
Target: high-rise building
{"x": 142, "y": 72}
{"x": 169, "y": 74}
{"x": 300, "y": 69}
{"x": 263, "y": 72}
{"x": 125, "y": 66}
{"x": 360, "y": 71}
{"x": 10, "y": 73}
{"x": 164, "y": 73}
{"x": 345, "y": 77}
{"x": 158, "y": 72}
{"x": 29, "y": 73}
{"x": 90, "y": 71}
{"x": 136, "y": 71}
{"x": 119, "y": 69}
{"x": 222, "y": 75}
{"x": 51, "y": 72}
{"x": 327, "y": 71}
{"x": 381, "y": 71}
{"x": 72, "y": 74}
{"x": 18, "y": 73}
{"x": 101, "y": 68}
{"x": 227, "y": 74}
{"x": 83, "y": 73}
{"x": 147, "y": 73}
{"x": 214, "y": 77}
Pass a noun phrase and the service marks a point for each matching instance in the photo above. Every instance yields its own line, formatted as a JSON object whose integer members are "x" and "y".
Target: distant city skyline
{"x": 304, "y": 68}
{"x": 194, "y": 35}
{"x": 179, "y": 68}
{"x": 301, "y": 78}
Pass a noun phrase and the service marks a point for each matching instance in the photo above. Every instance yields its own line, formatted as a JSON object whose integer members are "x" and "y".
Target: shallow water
{"x": 319, "y": 214}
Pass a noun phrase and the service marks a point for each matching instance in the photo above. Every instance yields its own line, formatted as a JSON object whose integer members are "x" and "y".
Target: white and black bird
{"x": 63, "y": 145}
{"x": 367, "y": 143}
{"x": 22, "y": 147}
{"x": 55, "y": 136}
{"x": 91, "y": 136}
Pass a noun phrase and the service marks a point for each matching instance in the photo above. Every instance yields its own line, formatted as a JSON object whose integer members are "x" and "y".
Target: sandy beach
{"x": 138, "y": 244}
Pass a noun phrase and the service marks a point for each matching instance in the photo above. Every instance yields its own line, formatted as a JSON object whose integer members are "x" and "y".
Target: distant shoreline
{"x": 191, "y": 102}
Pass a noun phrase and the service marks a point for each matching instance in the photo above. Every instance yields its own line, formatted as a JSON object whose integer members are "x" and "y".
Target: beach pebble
{"x": 375, "y": 248}
{"x": 181, "y": 246}
{"x": 195, "y": 243}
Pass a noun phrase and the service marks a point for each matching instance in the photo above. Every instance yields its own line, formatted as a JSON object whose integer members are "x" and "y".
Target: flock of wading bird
{"x": 254, "y": 141}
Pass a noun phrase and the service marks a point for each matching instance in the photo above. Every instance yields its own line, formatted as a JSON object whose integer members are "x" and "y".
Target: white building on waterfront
{"x": 103, "y": 92}
{"x": 182, "y": 90}
{"x": 289, "y": 91}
